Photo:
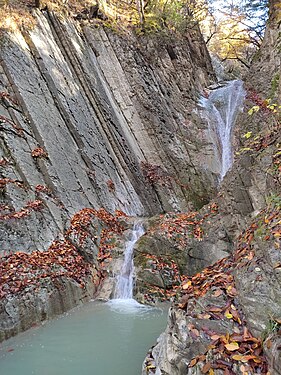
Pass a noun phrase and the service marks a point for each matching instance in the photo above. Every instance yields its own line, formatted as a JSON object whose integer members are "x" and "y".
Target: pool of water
{"x": 95, "y": 339}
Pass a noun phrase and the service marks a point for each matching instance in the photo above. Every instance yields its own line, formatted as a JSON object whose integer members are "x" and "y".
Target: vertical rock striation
{"x": 94, "y": 118}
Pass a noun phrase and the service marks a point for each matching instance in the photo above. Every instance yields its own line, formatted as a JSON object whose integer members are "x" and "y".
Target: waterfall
{"x": 125, "y": 280}
{"x": 220, "y": 110}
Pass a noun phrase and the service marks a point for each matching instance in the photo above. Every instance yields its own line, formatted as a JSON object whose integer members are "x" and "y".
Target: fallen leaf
{"x": 232, "y": 346}
{"x": 192, "y": 362}
{"x": 195, "y": 331}
{"x": 251, "y": 255}
{"x": 186, "y": 285}
{"x": 203, "y": 316}
{"x": 218, "y": 293}
{"x": 202, "y": 357}
{"x": 206, "y": 367}
{"x": 237, "y": 357}
{"x": 268, "y": 344}
{"x": 214, "y": 309}
{"x": 215, "y": 337}
{"x": 228, "y": 315}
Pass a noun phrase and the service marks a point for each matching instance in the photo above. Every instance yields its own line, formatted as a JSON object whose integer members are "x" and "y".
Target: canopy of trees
{"x": 232, "y": 29}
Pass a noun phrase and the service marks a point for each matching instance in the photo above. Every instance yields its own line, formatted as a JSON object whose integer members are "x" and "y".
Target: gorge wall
{"x": 115, "y": 130}
{"x": 91, "y": 118}
{"x": 226, "y": 318}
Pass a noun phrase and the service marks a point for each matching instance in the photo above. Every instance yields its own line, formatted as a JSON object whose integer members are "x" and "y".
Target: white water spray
{"x": 125, "y": 280}
{"x": 123, "y": 295}
{"x": 220, "y": 110}
{"x": 123, "y": 301}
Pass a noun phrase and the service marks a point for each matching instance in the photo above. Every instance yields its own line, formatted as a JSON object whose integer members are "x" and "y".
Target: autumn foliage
{"x": 238, "y": 348}
{"x": 179, "y": 228}
{"x": 20, "y": 270}
{"x": 8, "y": 213}
{"x": 183, "y": 226}
{"x": 39, "y": 152}
{"x": 155, "y": 174}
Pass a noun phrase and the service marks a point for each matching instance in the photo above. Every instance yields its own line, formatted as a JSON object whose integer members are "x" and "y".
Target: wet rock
{"x": 20, "y": 312}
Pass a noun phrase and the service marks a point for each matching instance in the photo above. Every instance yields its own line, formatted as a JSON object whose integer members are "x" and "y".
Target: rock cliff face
{"x": 114, "y": 128}
{"x": 91, "y": 118}
{"x": 265, "y": 70}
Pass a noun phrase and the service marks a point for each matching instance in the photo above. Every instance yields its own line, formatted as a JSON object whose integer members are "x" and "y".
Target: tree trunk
{"x": 140, "y": 7}
{"x": 274, "y": 11}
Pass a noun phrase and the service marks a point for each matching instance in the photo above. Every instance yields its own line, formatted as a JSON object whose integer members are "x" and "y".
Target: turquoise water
{"x": 96, "y": 339}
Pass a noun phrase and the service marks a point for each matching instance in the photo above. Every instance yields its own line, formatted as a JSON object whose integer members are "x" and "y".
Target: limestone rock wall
{"x": 92, "y": 118}
{"x": 201, "y": 316}
{"x": 246, "y": 199}
{"x": 264, "y": 75}
{"x": 19, "y": 313}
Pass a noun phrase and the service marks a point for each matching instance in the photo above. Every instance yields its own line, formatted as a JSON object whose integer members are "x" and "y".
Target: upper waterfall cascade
{"x": 220, "y": 110}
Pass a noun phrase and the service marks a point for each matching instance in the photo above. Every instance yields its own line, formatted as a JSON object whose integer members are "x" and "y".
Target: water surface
{"x": 96, "y": 339}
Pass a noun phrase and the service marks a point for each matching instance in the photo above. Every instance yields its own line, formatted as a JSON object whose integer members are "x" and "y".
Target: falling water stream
{"x": 95, "y": 339}
{"x": 123, "y": 295}
{"x": 220, "y": 110}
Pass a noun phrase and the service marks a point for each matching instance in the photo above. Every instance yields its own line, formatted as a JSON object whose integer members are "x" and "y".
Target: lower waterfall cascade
{"x": 125, "y": 280}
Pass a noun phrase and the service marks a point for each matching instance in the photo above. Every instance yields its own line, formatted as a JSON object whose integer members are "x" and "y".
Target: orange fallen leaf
{"x": 206, "y": 367}
{"x": 202, "y": 357}
{"x": 192, "y": 362}
{"x": 232, "y": 346}
{"x": 251, "y": 255}
{"x": 203, "y": 316}
{"x": 237, "y": 357}
{"x": 218, "y": 293}
{"x": 268, "y": 344}
{"x": 214, "y": 309}
{"x": 195, "y": 331}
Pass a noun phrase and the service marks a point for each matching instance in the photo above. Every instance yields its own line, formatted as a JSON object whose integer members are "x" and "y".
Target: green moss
{"x": 274, "y": 200}
{"x": 274, "y": 85}
{"x": 256, "y": 56}
{"x": 140, "y": 260}
{"x": 272, "y": 327}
